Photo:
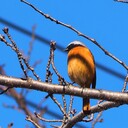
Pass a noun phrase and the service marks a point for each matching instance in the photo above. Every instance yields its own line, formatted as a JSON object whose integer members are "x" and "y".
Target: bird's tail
{"x": 86, "y": 105}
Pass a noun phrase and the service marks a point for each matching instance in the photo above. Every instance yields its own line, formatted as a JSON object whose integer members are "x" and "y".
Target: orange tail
{"x": 86, "y": 105}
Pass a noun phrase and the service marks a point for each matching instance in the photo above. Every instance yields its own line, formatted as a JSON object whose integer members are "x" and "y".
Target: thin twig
{"x": 64, "y": 102}
{"x": 97, "y": 119}
{"x": 78, "y": 32}
{"x": 52, "y": 49}
{"x": 40, "y": 103}
{"x": 12, "y": 107}
{"x": 125, "y": 83}
{"x": 19, "y": 54}
{"x": 70, "y": 106}
{"x": 58, "y": 104}
{"x": 4, "y": 91}
{"x": 14, "y": 47}
{"x": 48, "y": 77}
{"x": 46, "y": 120}
{"x": 37, "y": 62}
{"x": 31, "y": 43}
{"x": 48, "y": 72}
{"x": 31, "y": 69}
{"x": 65, "y": 116}
{"x": 28, "y": 118}
{"x": 2, "y": 38}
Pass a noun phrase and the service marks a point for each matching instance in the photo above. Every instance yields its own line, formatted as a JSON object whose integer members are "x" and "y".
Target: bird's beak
{"x": 66, "y": 49}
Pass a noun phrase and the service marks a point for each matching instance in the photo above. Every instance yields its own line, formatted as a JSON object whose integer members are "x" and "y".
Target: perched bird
{"x": 81, "y": 68}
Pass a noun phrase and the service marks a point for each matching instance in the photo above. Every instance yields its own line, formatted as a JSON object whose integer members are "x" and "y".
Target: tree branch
{"x": 69, "y": 90}
{"x": 97, "y": 108}
{"x": 97, "y": 119}
{"x": 77, "y": 32}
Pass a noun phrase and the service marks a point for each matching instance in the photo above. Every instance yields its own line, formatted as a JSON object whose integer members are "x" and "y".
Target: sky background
{"x": 104, "y": 20}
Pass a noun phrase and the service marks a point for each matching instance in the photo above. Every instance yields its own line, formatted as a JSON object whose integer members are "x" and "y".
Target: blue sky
{"x": 104, "y": 20}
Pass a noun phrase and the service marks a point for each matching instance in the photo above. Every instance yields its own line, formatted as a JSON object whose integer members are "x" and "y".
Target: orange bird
{"x": 81, "y": 68}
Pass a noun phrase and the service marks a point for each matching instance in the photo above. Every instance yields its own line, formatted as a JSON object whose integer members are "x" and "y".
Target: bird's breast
{"x": 81, "y": 66}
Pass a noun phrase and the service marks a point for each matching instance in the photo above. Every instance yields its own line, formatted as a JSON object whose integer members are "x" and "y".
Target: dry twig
{"x": 78, "y": 32}
{"x": 31, "y": 43}
{"x": 28, "y": 118}
{"x": 60, "y": 78}
{"x": 70, "y": 111}
{"x": 125, "y": 83}
{"x": 58, "y": 104}
{"x": 3, "y": 91}
{"x": 46, "y": 120}
{"x": 98, "y": 119}
{"x": 21, "y": 59}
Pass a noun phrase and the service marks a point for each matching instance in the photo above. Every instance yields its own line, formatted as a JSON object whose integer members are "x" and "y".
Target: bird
{"x": 81, "y": 68}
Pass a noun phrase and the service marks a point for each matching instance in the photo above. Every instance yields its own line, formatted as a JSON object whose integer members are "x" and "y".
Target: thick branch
{"x": 69, "y": 90}
{"x": 97, "y": 108}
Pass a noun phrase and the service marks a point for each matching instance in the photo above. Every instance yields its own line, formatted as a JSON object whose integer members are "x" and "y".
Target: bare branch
{"x": 18, "y": 97}
{"x": 31, "y": 43}
{"x": 48, "y": 72}
{"x": 69, "y": 90}
{"x": 28, "y": 118}
{"x": 58, "y": 104}
{"x": 60, "y": 78}
{"x": 64, "y": 102}
{"x": 97, "y": 119}
{"x": 12, "y": 107}
{"x": 46, "y": 120}
{"x": 21, "y": 59}
{"x": 5, "y": 90}
{"x": 78, "y": 32}
{"x": 70, "y": 105}
{"x": 14, "y": 46}
{"x": 97, "y": 108}
{"x": 125, "y": 83}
